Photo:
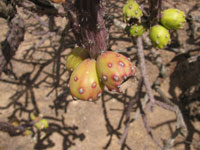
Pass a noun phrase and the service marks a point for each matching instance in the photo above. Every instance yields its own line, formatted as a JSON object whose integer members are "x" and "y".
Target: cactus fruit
{"x": 131, "y": 10}
{"x": 42, "y": 124}
{"x": 84, "y": 83}
{"x": 27, "y": 132}
{"x": 173, "y": 19}
{"x": 135, "y": 30}
{"x": 113, "y": 68}
{"x": 58, "y": 1}
{"x": 75, "y": 58}
{"x": 159, "y": 36}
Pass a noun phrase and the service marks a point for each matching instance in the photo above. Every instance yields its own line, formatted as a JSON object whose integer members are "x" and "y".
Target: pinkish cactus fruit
{"x": 84, "y": 83}
{"x": 113, "y": 68}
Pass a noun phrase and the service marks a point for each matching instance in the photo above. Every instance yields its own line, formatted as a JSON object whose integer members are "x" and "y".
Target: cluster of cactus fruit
{"x": 90, "y": 76}
{"x": 171, "y": 19}
{"x": 37, "y": 122}
{"x": 111, "y": 69}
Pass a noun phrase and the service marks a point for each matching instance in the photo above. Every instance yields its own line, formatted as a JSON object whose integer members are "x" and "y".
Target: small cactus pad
{"x": 131, "y": 10}
{"x": 159, "y": 36}
{"x": 135, "y": 30}
{"x": 75, "y": 57}
{"x": 84, "y": 83}
{"x": 173, "y": 19}
{"x": 113, "y": 68}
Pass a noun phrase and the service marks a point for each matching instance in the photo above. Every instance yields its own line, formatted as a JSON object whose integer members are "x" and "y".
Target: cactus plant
{"x": 131, "y": 10}
{"x": 159, "y": 36}
{"x": 84, "y": 83}
{"x": 113, "y": 68}
{"x": 74, "y": 58}
{"x": 173, "y": 19}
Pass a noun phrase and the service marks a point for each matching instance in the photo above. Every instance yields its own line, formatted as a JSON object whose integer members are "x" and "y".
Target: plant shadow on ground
{"x": 186, "y": 76}
{"x": 24, "y": 100}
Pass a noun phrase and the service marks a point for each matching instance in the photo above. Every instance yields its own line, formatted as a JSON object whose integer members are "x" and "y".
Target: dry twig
{"x": 128, "y": 111}
{"x": 144, "y": 72}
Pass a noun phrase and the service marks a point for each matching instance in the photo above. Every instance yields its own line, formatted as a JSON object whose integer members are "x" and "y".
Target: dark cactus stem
{"x": 92, "y": 32}
{"x": 155, "y": 7}
{"x": 14, "y": 38}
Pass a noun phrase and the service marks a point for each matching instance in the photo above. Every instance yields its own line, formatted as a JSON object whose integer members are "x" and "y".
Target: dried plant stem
{"x": 128, "y": 111}
{"x": 144, "y": 72}
{"x": 180, "y": 124}
{"x": 14, "y": 38}
{"x": 17, "y": 130}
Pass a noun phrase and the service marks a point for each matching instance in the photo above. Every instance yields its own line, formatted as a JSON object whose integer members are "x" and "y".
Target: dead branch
{"x": 14, "y": 38}
{"x": 17, "y": 130}
{"x": 128, "y": 111}
{"x": 143, "y": 71}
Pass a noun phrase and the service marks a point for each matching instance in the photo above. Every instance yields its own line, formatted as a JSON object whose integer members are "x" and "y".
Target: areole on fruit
{"x": 173, "y": 18}
{"x": 159, "y": 36}
{"x": 75, "y": 57}
{"x": 113, "y": 68}
{"x": 84, "y": 83}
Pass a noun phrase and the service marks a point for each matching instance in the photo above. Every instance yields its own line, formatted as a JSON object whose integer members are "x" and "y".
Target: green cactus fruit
{"x": 84, "y": 83}
{"x": 33, "y": 116}
{"x": 27, "y": 132}
{"x": 42, "y": 124}
{"x": 136, "y": 30}
{"x": 159, "y": 36}
{"x": 75, "y": 58}
{"x": 131, "y": 10}
{"x": 173, "y": 19}
{"x": 113, "y": 68}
